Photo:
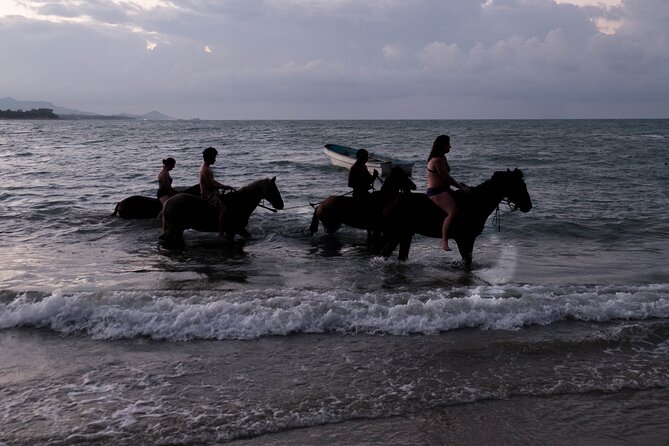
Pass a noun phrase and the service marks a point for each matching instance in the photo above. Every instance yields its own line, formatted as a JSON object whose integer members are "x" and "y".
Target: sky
{"x": 340, "y": 59}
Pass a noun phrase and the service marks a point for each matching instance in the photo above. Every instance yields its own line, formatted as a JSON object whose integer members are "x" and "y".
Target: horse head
{"x": 271, "y": 193}
{"x": 513, "y": 183}
{"x": 397, "y": 181}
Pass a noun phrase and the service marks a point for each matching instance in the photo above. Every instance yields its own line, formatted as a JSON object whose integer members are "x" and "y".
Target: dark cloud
{"x": 379, "y": 57}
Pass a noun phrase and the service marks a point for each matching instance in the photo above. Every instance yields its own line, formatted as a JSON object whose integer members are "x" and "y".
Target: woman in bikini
{"x": 439, "y": 182}
{"x": 165, "y": 189}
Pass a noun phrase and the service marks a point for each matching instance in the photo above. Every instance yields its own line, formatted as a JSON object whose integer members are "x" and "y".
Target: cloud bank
{"x": 323, "y": 59}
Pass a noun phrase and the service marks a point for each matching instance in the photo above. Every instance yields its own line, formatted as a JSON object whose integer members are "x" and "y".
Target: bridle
{"x": 497, "y": 219}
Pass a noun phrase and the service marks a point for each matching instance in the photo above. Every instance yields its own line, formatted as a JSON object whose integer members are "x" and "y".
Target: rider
{"x": 209, "y": 186}
{"x": 165, "y": 189}
{"x": 359, "y": 177}
{"x": 439, "y": 182}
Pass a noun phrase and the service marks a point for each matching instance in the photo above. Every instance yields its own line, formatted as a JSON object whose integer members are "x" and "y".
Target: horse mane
{"x": 493, "y": 182}
{"x": 501, "y": 175}
{"x": 253, "y": 186}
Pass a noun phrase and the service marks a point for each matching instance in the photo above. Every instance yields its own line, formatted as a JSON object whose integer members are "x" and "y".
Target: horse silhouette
{"x": 365, "y": 213}
{"x": 141, "y": 207}
{"x": 185, "y": 211}
{"x": 417, "y": 214}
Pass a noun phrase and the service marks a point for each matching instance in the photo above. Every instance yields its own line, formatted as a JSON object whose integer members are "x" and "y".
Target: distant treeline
{"x": 36, "y": 113}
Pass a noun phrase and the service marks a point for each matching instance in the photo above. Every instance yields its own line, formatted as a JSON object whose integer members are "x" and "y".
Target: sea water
{"x": 559, "y": 332}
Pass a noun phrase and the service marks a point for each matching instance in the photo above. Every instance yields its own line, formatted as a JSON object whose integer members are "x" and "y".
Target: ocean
{"x": 558, "y": 334}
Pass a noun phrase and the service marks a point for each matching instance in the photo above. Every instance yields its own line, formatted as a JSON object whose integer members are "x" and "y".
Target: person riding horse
{"x": 359, "y": 178}
{"x": 165, "y": 189}
{"x": 209, "y": 186}
{"x": 439, "y": 182}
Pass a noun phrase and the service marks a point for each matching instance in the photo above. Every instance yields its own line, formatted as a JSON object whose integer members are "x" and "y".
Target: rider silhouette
{"x": 359, "y": 177}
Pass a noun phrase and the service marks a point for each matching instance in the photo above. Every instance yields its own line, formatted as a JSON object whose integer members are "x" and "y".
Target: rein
{"x": 260, "y": 205}
{"x": 497, "y": 219}
{"x": 267, "y": 207}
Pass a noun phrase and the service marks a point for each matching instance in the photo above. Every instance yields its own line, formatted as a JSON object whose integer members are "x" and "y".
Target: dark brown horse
{"x": 185, "y": 211}
{"x": 417, "y": 214}
{"x": 140, "y": 207}
{"x": 336, "y": 210}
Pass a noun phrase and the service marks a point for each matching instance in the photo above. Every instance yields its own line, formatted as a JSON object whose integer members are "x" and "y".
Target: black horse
{"x": 417, "y": 214}
{"x": 140, "y": 207}
{"x": 336, "y": 210}
{"x": 185, "y": 211}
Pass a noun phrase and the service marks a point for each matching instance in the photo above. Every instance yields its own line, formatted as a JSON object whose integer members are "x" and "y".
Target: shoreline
{"x": 630, "y": 417}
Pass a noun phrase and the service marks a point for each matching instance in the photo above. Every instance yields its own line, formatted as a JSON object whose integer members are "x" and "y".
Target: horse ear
{"x": 274, "y": 180}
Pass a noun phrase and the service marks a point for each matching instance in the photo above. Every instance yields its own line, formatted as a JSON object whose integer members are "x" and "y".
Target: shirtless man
{"x": 209, "y": 186}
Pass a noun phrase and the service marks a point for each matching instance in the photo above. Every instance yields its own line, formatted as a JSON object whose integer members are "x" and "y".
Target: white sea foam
{"x": 252, "y": 314}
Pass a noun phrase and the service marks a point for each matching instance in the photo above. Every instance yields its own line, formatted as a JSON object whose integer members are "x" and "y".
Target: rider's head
{"x": 362, "y": 155}
{"x": 169, "y": 162}
{"x": 209, "y": 154}
{"x": 440, "y": 146}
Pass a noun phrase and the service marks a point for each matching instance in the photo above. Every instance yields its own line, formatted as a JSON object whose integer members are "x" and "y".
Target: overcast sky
{"x": 340, "y": 59}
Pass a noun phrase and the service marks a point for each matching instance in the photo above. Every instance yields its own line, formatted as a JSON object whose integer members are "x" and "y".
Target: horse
{"x": 336, "y": 210}
{"x": 185, "y": 211}
{"x": 140, "y": 207}
{"x": 417, "y": 214}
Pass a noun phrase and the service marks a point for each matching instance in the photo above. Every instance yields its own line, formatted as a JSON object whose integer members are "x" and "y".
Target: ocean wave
{"x": 175, "y": 316}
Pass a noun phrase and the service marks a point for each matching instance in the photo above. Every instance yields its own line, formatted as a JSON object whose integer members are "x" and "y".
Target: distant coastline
{"x": 36, "y": 113}
{"x": 11, "y": 108}
{"x": 47, "y": 113}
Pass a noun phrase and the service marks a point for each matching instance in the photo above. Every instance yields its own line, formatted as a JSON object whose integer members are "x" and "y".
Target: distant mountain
{"x": 8, "y": 103}
{"x": 156, "y": 116}
{"x": 150, "y": 116}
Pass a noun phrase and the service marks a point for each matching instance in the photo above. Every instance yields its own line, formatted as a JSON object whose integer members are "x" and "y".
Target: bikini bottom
{"x": 432, "y": 191}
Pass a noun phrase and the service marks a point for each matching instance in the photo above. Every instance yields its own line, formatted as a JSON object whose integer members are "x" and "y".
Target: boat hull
{"x": 343, "y": 156}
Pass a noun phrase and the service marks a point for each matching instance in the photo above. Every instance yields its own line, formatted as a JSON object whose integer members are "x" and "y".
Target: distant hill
{"x": 150, "y": 116}
{"x": 8, "y": 103}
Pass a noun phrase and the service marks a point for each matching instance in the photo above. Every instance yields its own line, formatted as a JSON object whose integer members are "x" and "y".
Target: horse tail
{"x": 115, "y": 210}
{"x": 313, "y": 228}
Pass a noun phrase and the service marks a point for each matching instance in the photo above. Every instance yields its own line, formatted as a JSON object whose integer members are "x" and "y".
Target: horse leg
{"x": 165, "y": 230}
{"x": 466, "y": 247}
{"x": 376, "y": 239}
{"x": 331, "y": 227}
{"x": 171, "y": 234}
{"x": 389, "y": 242}
{"x": 405, "y": 245}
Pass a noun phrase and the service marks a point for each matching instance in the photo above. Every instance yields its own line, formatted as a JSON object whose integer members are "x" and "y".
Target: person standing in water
{"x": 209, "y": 186}
{"x": 439, "y": 182}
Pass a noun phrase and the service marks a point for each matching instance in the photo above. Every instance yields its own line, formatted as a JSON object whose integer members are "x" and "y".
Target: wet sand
{"x": 624, "y": 418}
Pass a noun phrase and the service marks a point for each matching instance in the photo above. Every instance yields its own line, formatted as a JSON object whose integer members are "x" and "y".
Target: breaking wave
{"x": 183, "y": 316}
